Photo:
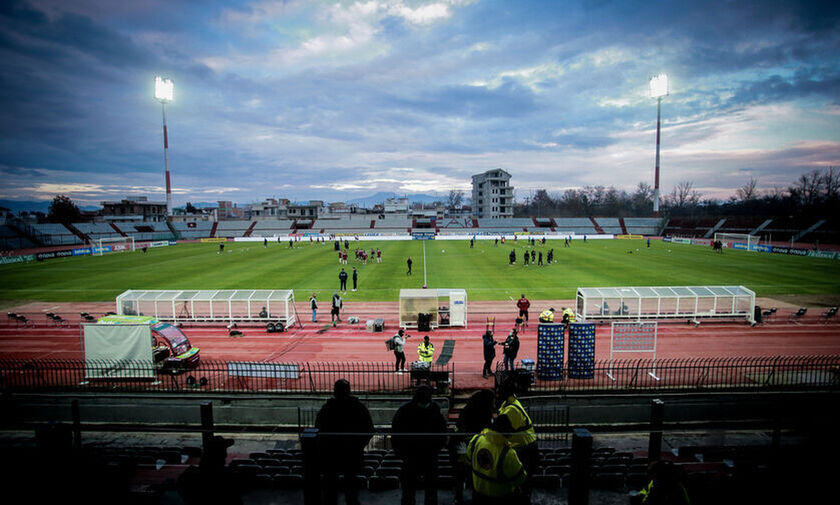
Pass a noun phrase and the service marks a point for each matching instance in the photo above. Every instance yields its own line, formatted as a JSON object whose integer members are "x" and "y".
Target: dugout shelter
{"x": 665, "y": 302}
{"x": 448, "y": 307}
{"x": 209, "y": 306}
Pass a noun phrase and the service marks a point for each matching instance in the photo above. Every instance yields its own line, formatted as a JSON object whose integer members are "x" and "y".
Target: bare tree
{"x": 684, "y": 195}
{"x": 748, "y": 191}
{"x": 806, "y": 189}
{"x": 642, "y": 198}
{"x": 455, "y": 198}
{"x": 831, "y": 184}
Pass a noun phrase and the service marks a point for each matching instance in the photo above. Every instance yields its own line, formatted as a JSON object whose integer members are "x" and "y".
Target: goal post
{"x": 116, "y": 244}
{"x": 741, "y": 238}
{"x": 633, "y": 337}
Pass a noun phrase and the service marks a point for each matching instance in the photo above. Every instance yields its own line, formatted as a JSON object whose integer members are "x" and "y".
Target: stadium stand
{"x": 610, "y": 225}
{"x": 58, "y": 234}
{"x": 200, "y": 229}
{"x": 689, "y": 227}
{"x": 147, "y": 231}
{"x": 643, "y": 225}
{"x": 10, "y": 239}
{"x": 352, "y": 224}
{"x": 272, "y": 228}
{"x": 577, "y": 225}
{"x": 506, "y": 225}
{"x": 230, "y": 229}
{"x": 97, "y": 230}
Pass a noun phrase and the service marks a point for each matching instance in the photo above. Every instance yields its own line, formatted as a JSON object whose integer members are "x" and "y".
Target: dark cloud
{"x": 777, "y": 88}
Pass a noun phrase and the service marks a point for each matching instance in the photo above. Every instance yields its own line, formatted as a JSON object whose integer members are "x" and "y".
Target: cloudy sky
{"x": 337, "y": 100}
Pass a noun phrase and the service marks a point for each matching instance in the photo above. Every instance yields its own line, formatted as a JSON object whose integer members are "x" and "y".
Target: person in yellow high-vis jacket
{"x": 426, "y": 350}
{"x": 547, "y": 316}
{"x": 523, "y": 439}
{"x": 568, "y": 315}
{"x": 497, "y": 473}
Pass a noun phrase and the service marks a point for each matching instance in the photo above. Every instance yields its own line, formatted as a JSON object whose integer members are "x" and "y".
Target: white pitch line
{"x": 424, "y": 263}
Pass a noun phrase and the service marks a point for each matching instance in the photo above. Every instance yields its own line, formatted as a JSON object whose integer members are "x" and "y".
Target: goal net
{"x": 633, "y": 337}
{"x": 114, "y": 244}
{"x": 728, "y": 239}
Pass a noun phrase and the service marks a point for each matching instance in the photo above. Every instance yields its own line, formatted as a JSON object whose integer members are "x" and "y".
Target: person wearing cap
{"x": 426, "y": 350}
{"x": 498, "y": 474}
{"x": 523, "y": 438}
{"x": 418, "y": 433}
{"x": 345, "y": 428}
{"x": 211, "y": 481}
{"x": 547, "y": 316}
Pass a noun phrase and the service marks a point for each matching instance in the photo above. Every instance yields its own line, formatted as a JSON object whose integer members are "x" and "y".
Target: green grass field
{"x": 483, "y": 271}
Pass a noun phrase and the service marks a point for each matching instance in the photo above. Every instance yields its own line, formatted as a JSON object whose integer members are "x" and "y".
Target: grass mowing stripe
{"x": 483, "y": 271}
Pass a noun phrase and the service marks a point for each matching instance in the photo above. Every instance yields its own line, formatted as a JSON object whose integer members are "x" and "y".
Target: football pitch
{"x": 482, "y": 270}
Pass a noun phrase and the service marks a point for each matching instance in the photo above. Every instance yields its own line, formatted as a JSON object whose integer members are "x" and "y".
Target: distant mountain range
{"x": 17, "y": 206}
{"x": 370, "y": 201}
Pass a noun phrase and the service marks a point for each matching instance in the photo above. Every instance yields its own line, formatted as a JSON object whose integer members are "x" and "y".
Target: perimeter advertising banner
{"x": 823, "y": 254}
{"x": 4, "y": 260}
{"x": 214, "y": 239}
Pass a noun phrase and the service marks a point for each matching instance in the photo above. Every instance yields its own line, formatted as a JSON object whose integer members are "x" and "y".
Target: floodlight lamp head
{"x": 164, "y": 89}
{"x": 659, "y": 86}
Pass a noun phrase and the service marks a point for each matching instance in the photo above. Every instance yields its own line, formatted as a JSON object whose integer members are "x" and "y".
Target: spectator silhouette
{"x": 476, "y": 415}
{"x": 424, "y": 429}
{"x": 345, "y": 428}
{"x": 666, "y": 486}
{"x": 211, "y": 481}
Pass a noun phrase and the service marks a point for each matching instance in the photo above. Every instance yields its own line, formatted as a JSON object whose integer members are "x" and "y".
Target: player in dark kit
{"x": 408, "y": 262}
{"x": 342, "y": 278}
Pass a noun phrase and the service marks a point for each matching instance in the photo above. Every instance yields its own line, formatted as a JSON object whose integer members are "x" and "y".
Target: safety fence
{"x": 692, "y": 374}
{"x": 642, "y": 375}
{"x": 215, "y": 376}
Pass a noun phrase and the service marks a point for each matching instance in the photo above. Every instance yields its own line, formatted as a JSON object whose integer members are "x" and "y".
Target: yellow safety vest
{"x": 496, "y": 468}
{"x": 683, "y": 497}
{"x": 547, "y": 316}
{"x": 571, "y": 315}
{"x": 426, "y": 353}
{"x": 523, "y": 428}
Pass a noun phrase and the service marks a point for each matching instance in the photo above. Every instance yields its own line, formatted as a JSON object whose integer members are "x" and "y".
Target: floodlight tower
{"x": 164, "y": 92}
{"x": 658, "y": 89}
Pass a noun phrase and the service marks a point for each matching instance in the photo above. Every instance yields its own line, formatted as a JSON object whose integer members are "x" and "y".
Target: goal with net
{"x": 729, "y": 239}
{"x": 114, "y": 244}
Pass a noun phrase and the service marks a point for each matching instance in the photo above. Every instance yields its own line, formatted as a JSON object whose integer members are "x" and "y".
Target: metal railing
{"x": 214, "y": 376}
{"x": 691, "y": 374}
{"x": 664, "y": 375}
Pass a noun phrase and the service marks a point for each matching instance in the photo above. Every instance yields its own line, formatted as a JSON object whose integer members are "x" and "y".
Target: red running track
{"x": 319, "y": 342}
